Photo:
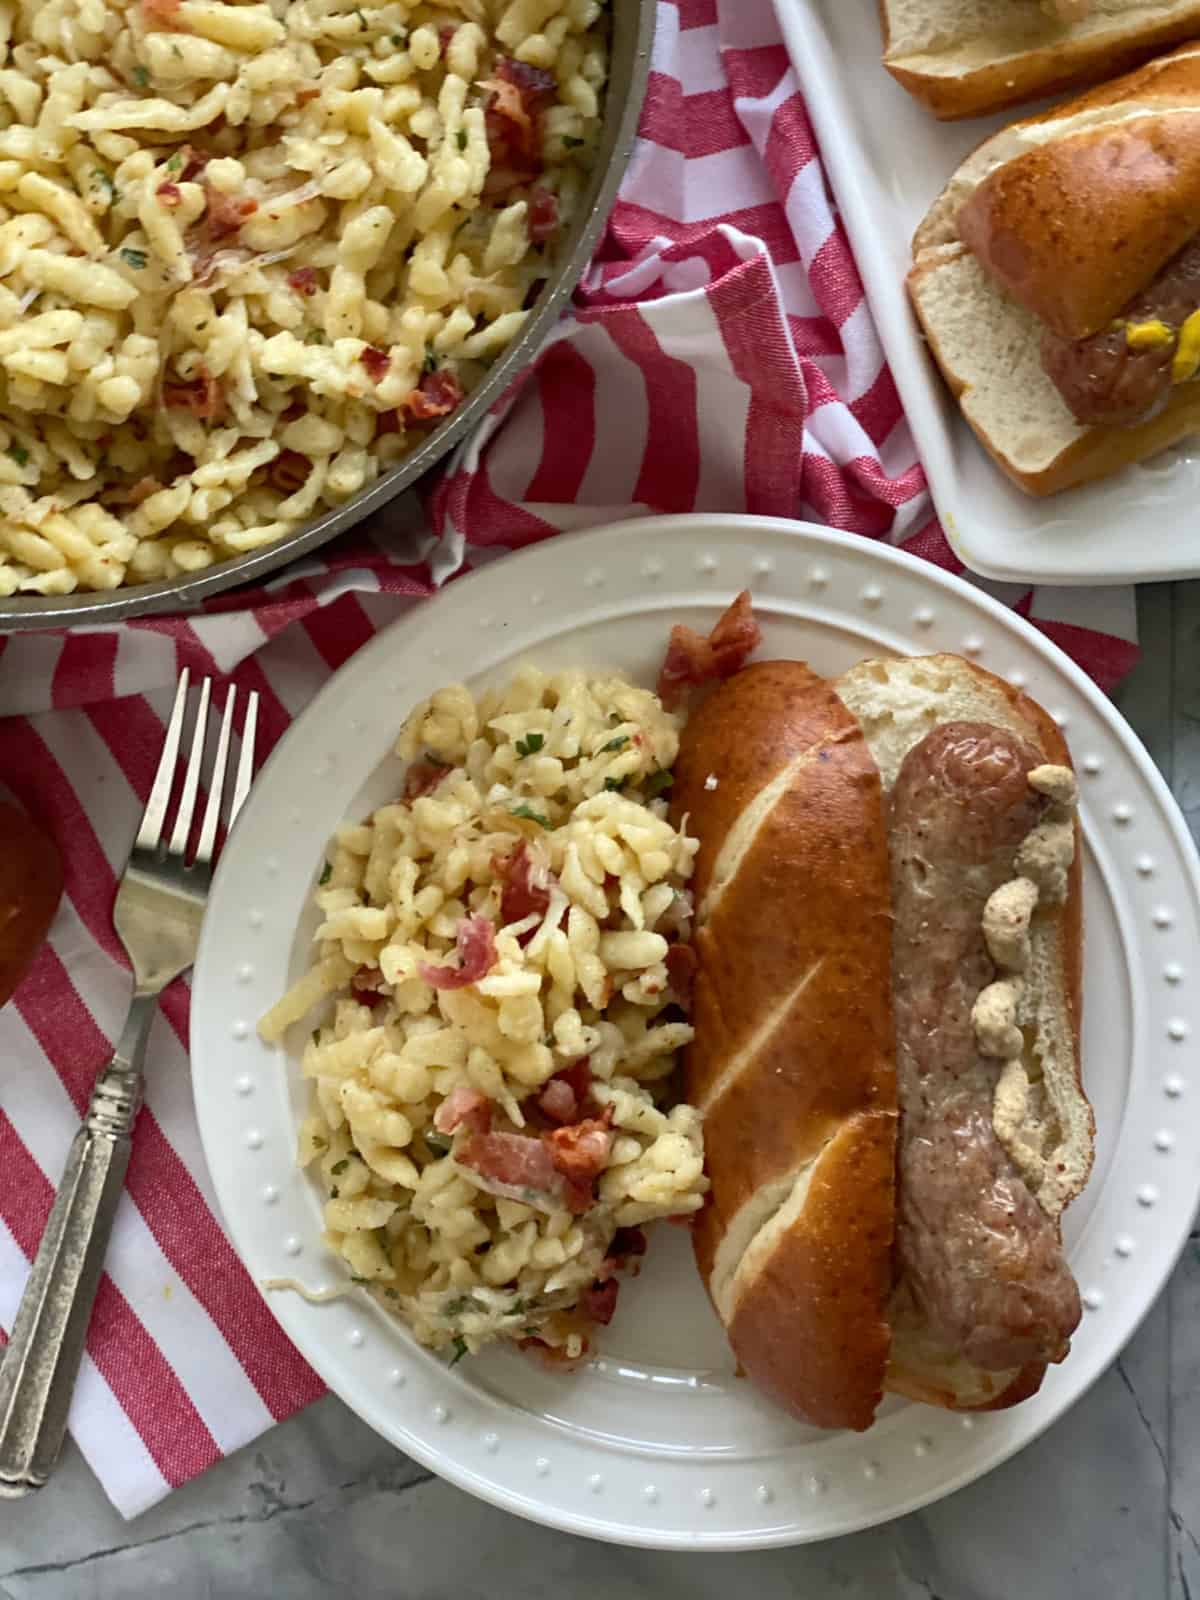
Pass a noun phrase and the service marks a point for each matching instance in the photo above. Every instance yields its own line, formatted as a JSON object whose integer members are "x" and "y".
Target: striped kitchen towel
{"x": 720, "y": 357}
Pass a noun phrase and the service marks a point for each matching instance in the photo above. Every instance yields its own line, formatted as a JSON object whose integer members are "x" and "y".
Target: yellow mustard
{"x": 1152, "y": 335}
{"x": 1187, "y": 356}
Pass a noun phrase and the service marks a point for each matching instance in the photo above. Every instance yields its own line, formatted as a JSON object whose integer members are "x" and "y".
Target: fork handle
{"x": 41, "y": 1362}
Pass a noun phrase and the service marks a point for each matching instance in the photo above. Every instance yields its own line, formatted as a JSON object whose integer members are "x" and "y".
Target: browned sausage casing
{"x": 981, "y": 1259}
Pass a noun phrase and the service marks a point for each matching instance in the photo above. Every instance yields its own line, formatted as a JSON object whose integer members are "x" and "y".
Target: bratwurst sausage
{"x": 980, "y": 1257}
{"x": 1108, "y": 379}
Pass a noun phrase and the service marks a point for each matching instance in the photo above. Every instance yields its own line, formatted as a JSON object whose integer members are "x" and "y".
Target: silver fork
{"x": 158, "y": 912}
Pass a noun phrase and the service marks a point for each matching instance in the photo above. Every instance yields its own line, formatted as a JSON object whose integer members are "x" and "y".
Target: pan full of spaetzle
{"x": 499, "y": 989}
{"x": 262, "y": 262}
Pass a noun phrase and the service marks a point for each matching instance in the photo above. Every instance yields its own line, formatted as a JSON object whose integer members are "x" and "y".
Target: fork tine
{"x": 246, "y": 760}
{"x": 160, "y": 794}
{"x": 212, "y": 811}
{"x": 191, "y": 778}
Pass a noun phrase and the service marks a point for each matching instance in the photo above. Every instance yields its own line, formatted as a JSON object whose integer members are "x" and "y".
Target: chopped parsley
{"x": 461, "y": 1303}
{"x": 133, "y": 258}
{"x": 533, "y": 816}
{"x": 141, "y": 77}
{"x": 439, "y": 1143}
{"x": 571, "y": 142}
{"x": 333, "y": 1191}
{"x": 392, "y": 1294}
{"x": 613, "y": 784}
{"x": 175, "y": 162}
{"x": 618, "y": 743}
{"x": 531, "y": 744}
{"x": 430, "y": 364}
{"x": 460, "y": 1349}
{"x": 339, "y": 1167}
{"x": 326, "y": 874}
{"x": 398, "y": 39}
{"x": 658, "y": 783}
{"x": 316, "y": 1036}
{"x": 19, "y": 454}
{"x": 315, "y": 336}
{"x": 462, "y": 138}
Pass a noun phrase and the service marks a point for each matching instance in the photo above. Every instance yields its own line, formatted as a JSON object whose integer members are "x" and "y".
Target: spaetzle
{"x": 250, "y": 252}
{"x": 506, "y": 950}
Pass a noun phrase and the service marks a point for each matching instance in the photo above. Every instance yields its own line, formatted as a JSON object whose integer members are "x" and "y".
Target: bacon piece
{"x": 226, "y": 212}
{"x": 681, "y": 963}
{"x": 579, "y": 1154}
{"x": 303, "y": 280}
{"x": 387, "y": 422}
{"x": 289, "y": 471}
{"x": 194, "y": 163}
{"x": 553, "y": 1357}
{"x": 527, "y": 882}
{"x": 627, "y": 1242}
{"x": 464, "y": 1107}
{"x": 421, "y": 778}
{"x": 475, "y": 943}
{"x": 600, "y": 1301}
{"x": 365, "y": 987}
{"x": 143, "y": 489}
{"x": 515, "y": 1160}
{"x": 376, "y": 362}
{"x": 692, "y": 659}
{"x": 170, "y": 194}
{"x": 566, "y": 1097}
{"x": 558, "y": 1101}
{"x": 163, "y": 14}
{"x": 437, "y": 394}
{"x": 518, "y": 98}
{"x": 542, "y": 220}
{"x": 201, "y": 395}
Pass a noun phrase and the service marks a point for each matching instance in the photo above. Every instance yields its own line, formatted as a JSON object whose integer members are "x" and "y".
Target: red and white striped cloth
{"x": 721, "y": 357}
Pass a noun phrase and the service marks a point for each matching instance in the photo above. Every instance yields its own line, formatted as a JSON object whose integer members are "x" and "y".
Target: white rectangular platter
{"x": 887, "y": 159}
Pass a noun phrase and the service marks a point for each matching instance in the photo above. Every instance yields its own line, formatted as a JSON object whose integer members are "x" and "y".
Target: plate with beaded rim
{"x": 656, "y": 1441}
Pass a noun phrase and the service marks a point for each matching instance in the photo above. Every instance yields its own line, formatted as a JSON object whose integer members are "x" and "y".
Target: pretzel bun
{"x": 792, "y": 1058}
{"x": 31, "y": 881}
{"x": 1057, "y": 223}
{"x": 964, "y": 58}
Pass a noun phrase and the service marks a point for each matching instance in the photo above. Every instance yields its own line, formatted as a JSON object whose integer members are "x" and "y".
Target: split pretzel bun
{"x": 1058, "y": 222}
{"x": 964, "y": 58}
{"x": 784, "y": 777}
{"x": 792, "y": 1061}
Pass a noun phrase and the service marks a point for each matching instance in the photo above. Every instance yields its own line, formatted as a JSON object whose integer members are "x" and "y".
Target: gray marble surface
{"x": 1105, "y": 1506}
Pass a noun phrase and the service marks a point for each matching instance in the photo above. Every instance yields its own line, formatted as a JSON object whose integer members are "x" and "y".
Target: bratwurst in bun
{"x": 1057, "y": 279}
{"x": 886, "y": 1015}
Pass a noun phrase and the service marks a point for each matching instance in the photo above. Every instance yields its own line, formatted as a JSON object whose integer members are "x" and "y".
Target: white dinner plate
{"x": 887, "y": 160}
{"x": 657, "y": 1442}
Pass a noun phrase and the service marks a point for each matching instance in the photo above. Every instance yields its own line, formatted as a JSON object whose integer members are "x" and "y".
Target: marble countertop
{"x": 1106, "y": 1505}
